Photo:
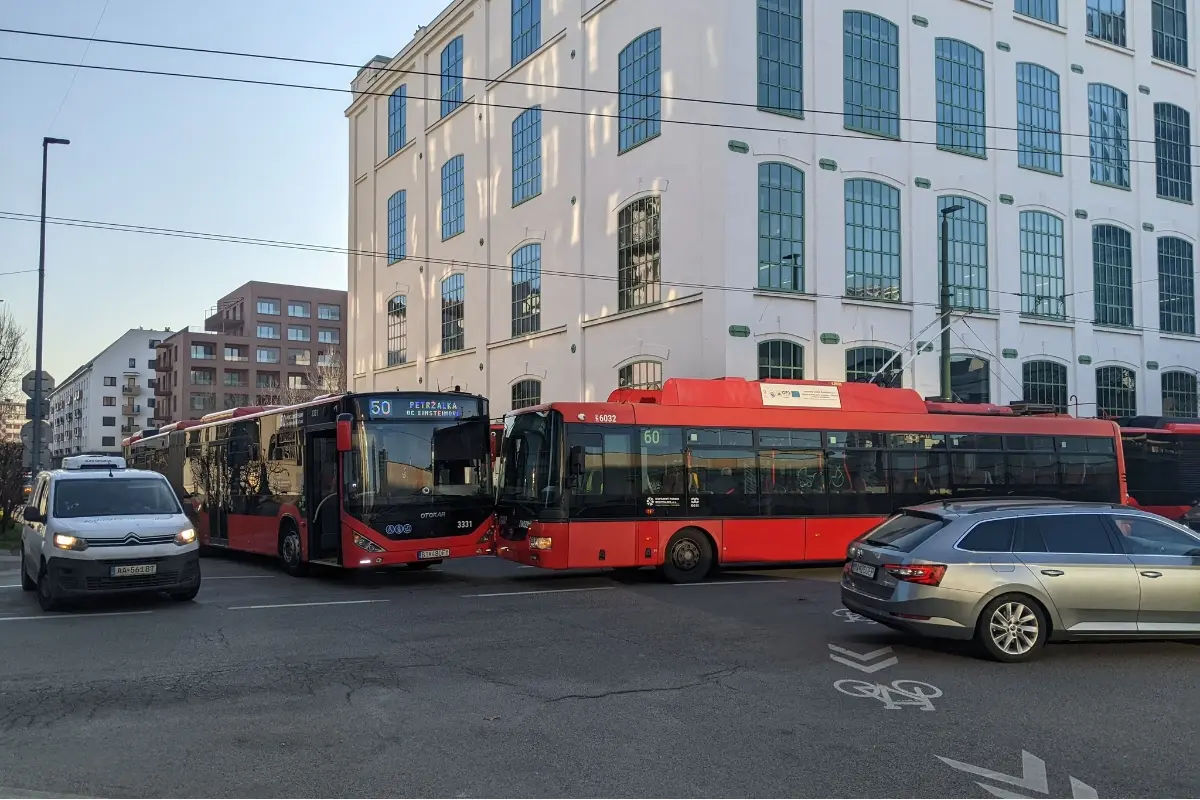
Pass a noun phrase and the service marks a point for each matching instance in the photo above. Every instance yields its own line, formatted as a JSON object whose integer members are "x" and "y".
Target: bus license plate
{"x": 433, "y": 554}
{"x": 134, "y": 569}
{"x": 866, "y": 570}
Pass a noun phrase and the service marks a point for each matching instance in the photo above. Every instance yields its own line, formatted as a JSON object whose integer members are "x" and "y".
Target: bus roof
{"x": 1188, "y": 426}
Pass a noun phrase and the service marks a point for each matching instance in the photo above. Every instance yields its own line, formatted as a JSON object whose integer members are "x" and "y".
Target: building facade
{"x": 106, "y": 399}
{"x": 262, "y": 343}
{"x": 756, "y": 189}
{"x": 12, "y": 419}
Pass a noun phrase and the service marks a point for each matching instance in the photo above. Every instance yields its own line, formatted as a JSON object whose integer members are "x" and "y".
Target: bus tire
{"x": 688, "y": 557}
{"x": 290, "y": 553}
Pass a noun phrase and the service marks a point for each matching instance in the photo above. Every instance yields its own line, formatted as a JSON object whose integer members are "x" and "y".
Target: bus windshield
{"x": 531, "y": 467}
{"x": 395, "y": 463}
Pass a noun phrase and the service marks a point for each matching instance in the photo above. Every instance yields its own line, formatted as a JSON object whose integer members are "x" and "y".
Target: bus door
{"x": 322, "y": 493}
{"x": 218, "y": 493}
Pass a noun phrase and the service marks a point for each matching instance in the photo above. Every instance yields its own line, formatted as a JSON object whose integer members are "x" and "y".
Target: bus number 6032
{"x": 606, "y": 418}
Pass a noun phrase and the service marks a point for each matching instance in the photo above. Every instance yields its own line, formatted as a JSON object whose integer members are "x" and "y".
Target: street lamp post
{"x": 35, "y": 457}
{"x": 946, "y": 299}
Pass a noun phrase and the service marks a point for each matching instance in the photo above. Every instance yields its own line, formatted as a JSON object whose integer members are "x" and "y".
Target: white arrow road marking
{"x": 1081, "y": 791}
{"x": 996, "y": 791}
{"x": 862, "y": 657}
{"x": 1034, "y": 777}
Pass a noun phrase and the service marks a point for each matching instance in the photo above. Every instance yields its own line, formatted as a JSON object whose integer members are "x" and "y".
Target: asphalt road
{"x": 479, "y": 679}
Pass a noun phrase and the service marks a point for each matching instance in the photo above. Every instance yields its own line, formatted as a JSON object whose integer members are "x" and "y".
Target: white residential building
{"x": 604, "y": 199}
{"x": 106, "y": 399}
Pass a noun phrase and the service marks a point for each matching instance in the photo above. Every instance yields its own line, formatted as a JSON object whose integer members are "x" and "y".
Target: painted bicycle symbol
{"x": 851, "y": 616}
{"x": 898, "y": 694}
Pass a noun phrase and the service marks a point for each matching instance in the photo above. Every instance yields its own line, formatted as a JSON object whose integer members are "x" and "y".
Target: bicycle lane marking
{"x": 894, "y": 695}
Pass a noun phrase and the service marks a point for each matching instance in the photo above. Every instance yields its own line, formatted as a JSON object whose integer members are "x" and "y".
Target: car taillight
{"x": 924, "y": 574}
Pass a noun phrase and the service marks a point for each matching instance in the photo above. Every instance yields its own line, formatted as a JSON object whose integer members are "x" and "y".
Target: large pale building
{"x": 548, "y": 199}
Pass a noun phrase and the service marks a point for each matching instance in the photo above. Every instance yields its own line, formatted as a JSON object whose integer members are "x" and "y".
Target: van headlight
{"x": 185, "y": 536}
{"x": 65, "y": 541}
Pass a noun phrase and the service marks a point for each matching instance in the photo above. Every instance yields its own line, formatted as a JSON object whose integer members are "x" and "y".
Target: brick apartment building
{"x": 260, "y": 343}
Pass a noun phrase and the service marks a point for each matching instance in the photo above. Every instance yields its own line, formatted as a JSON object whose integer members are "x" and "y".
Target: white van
{"x": 95, "y": 527}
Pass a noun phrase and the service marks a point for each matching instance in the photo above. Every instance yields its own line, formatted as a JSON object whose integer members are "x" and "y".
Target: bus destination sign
{"x": 401, "y": 408}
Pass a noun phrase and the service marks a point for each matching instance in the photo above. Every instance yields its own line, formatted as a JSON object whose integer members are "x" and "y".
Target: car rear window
{"x": 993, "y": 536}
{"x": 904, "y": 532}
{"x": 111, "y": 497}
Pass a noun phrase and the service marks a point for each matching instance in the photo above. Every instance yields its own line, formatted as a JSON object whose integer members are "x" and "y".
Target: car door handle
{"x": 1053, "y": 573}
{"x": 1151, "y": 574}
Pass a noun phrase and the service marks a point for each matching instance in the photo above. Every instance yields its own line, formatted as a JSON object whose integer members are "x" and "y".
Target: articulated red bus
{"x": 1162, "y": 458}
{"x": 346, "y": 480}
{"x": 709, "y": 472}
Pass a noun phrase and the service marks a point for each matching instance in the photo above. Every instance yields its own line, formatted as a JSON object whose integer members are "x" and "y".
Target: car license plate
{"x": 134, "y": 569}
{"x": 433, "y": 554}
{"x": 866, "y": 570}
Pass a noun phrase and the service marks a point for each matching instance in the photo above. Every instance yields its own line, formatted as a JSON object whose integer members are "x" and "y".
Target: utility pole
{"x": 36, "y": 456}
{"x": 947, "y": 297}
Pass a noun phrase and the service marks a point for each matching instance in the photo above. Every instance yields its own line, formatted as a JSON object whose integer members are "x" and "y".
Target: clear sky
{"x": 263, "y": 162}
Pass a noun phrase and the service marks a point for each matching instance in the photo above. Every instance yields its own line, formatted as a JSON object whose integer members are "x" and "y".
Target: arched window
{"x": 1112, "y": 275}
{"x": 780, "y": 227}
{"x": 527, "y": 392}
{"x": 780, "y": 359}
{"x": 1108, "y": 126}
{"x": 1176, "y": 285}
{"x": 454, "y": 295}
{"x": 970, "y": 379}
{"x": 780, "y": 57}
{"x": 639, "y": 101}
{"x": 871, "y": 74}
{"x": 1045, "y": 383}
{"x": 638, "y": 253}
{"x": 397, "y": 330}
{"x": 1039, "y": 118}
{"x": 961, "y": 97}
{"x": 1043, "y": 265}
{"x": 641, "y": 375}
{"x": 968, "y": 252}
{"x": 1173, "y": 151}
{"x": 1179, "y": 395}
{"x": 1116, "y": 392}
{"x": 872, "y": 240}
{"x": 527, "y": 290}
{"x": 452, "y": 75}
{"x": 863, "y": 362}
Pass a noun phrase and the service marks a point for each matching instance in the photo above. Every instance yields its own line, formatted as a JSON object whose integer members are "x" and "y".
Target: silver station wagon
{"x": 1012, "y": 574}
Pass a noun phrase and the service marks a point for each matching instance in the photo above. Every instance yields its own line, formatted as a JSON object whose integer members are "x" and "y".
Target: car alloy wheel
{"x": 1013, "y": 628}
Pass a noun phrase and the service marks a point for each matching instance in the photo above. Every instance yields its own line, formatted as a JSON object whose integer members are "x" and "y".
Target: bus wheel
{"x": 689, "y": 557}
{"x": 289, "y": 551}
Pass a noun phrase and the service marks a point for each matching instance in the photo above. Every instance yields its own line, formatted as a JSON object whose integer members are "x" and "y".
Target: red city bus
{"x": 355, "y": 480}
{"x": 1162, "y": 459}
{"x": 710, "y": 472}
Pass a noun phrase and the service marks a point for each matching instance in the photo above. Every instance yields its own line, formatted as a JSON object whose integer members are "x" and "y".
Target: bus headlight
{"x": 185, "y": 536}
{"x": 366, "y": 544}
{"x": 64, "y": 542}
{"x": 539, "y": 542}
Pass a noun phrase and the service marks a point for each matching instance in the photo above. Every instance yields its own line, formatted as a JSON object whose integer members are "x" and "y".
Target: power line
{"x": 509, "y": 81}
{"x": 119, "y": 227}
{"x": 570, "y": 112}
{"x": 75, "y": 74}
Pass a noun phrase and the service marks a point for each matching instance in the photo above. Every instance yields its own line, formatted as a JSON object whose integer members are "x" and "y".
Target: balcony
{"x": 162, "y": 391}
{"x": 228, "y": 318}
{"x": 129, "y": 409}
{"x": 128, "y": 429}
{"x": 131, "y": 390}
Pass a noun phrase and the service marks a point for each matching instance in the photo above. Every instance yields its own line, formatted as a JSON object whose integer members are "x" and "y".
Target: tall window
{"x": 871, "y": 74}
{"x": 1106, "y": 20}
{"x": 526, "y": 28}
{"x": 1108, "y": 126}
{"x": 641, "y": 375}
{"x": 1179, "y": 395}
{"x": 639, "y": 266}
{"x": 1045, "y": 382}
{"x": 1173, "y": 151}
{"x": 1116, "y": 392}
{"x": 527, "y": 155}
{"x": 863, "y": 362}
{"x": 525, "y": 393}
{"x": 872, "y": 240}
{"x": 1169, "y": 22}
{"x": 397, "y": 118}
{"x": 639, "y": 76}
{"x": 780, "y": 359}
{"x": 397, "y": 208}
{"x": 397, "y": 330}
{"x": 780, "y": 227}
{"x": 1045, "y": 10}
{"x": 452, "y": 75}
{"x": 1043, "y": 265}
{"x": 454, "y": 291}
{"x": 968, "y": 252}
{"x": 1176, "y": 286}
{"x": 454, "y": 199}
{"x": 780, "y": 57}
{"x": 527, "y": 290}
{"x": 961, "y": 107}
{"x": 970, "y": 379}
{"x": 1039, "y": 119}
{"x": 1112, "y": 280}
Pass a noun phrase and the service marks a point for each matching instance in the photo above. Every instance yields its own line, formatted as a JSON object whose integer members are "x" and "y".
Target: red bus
{"x": 709, "y": 472}
{"x": 355, "y": 480}
{"x": 1162, "y": 459}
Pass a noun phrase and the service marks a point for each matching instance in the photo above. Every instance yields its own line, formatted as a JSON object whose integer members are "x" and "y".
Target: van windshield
{"x": 114, "y": 497}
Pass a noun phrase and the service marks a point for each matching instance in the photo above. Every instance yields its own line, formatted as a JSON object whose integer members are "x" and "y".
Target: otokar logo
{"x": 433, "y": 514}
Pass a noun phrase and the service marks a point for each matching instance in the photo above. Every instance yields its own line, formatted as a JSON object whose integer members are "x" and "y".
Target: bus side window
{"x": 663, "y": 471}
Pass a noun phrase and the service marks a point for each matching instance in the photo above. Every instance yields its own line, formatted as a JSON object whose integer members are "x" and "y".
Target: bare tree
{"x": 14, "y": 354}
{"x": 12, "y": 478}
{"x": 328, "y": 376}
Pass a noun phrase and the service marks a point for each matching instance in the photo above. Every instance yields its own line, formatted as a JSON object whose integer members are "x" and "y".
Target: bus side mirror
{"x": 343, "y": 433}
{"x": 575, "y": 460}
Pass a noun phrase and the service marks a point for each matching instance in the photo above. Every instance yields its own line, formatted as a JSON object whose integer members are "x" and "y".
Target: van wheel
{"x": 289, "y": 552}
{"x": 689, "y": 557}
{"x": 48, "y": 599}
{"x": 1012, "y": 628}
{"x": 27, "y": 583}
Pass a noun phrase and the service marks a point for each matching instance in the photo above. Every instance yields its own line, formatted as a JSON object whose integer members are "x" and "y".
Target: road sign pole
{"x": 37, "y": 385}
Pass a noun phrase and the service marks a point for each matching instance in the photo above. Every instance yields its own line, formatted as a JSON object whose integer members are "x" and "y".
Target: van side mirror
{"x": 575, "y": 460}
{"x": 32, "y": 514}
